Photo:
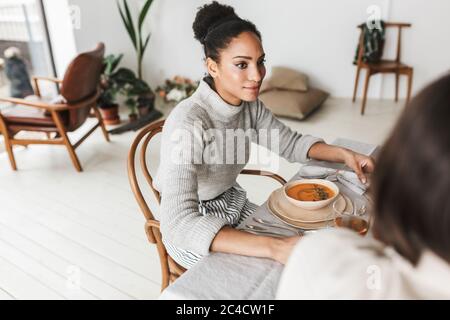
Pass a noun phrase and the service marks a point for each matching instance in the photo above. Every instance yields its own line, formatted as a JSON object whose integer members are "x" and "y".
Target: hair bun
{"x": 208, "y": 15}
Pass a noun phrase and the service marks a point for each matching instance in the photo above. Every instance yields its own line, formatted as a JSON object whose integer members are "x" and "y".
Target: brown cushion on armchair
{"x": 293, "y": 104}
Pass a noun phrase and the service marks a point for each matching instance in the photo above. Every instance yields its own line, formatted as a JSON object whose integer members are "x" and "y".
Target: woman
{"x": 201, "y": 201}
{"x": 408, "y": 256}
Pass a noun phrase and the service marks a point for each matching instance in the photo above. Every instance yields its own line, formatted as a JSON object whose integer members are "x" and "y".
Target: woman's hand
{"x": 281, "y": 248}
{"x": 359, "y": 163}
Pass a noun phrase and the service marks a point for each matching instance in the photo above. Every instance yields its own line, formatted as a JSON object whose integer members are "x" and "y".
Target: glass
{"x": 24, "y": 50}
{"x": 358, "y": 220}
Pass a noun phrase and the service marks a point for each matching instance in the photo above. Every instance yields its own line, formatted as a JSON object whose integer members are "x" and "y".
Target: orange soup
{"x": 310, "y": 192}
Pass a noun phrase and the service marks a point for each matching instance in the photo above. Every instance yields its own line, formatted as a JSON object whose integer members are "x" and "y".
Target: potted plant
{"x": 109, "y": 90}
{"x": 133, "y": 89}
{"x": 145, "y": 96}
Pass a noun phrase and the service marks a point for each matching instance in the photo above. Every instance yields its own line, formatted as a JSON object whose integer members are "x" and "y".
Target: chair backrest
{"x": 170, "y": 269}
{"x": 80, "y": 83}
{"x": 399, "y": 25}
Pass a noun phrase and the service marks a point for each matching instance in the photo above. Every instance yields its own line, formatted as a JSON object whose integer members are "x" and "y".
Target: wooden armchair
{"x": 170, "y": 269}
{"x": 79, "y": 92}
{"x": 383, "y": 66}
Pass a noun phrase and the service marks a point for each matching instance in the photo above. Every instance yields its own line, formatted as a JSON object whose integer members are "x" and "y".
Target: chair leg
{"x": 356, "y": 83}
{"x": 73, "y": 155}
{"x": 100, "y": 120}
{"x": 397, "y": 76}
{"x": 9, "y": 149}
{"x": 4, "y": 131}
{"x": 366, "y": 86}
{"x": 410, "y": 76}
{"x": 62, "y": 132}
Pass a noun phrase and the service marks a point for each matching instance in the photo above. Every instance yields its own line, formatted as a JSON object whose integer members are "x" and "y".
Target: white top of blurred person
{"x": 12, "y": 52}
{"x": 340, "y": 264}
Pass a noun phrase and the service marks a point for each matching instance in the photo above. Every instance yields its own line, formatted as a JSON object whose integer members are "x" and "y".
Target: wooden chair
{"x": 170, "y": 269}
{"x": 79, "y": 92}
{"x": 383, "y": 66}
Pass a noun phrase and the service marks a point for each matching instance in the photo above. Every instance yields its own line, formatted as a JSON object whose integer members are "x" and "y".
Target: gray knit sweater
{"x": 205, "y": 145}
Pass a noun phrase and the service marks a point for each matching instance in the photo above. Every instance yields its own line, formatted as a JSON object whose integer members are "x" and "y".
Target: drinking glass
{"x": 358, "y": 220}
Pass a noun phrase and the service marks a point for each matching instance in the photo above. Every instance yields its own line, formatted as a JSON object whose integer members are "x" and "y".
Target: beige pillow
{"x": 286, "y": 79}
{"x": 293, "y": 104}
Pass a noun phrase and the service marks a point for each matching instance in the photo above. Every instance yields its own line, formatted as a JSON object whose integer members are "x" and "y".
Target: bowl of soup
{"x": 311, "y": 194}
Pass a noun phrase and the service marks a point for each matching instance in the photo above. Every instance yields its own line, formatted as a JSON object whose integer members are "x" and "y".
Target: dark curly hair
{"x": 215, "y": 25}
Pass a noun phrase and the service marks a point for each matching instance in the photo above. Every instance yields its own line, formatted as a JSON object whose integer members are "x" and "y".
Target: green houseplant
{"x": 133, "y": 89}
{"x": 109, "y": 90}
{"x": 139, "y": 94}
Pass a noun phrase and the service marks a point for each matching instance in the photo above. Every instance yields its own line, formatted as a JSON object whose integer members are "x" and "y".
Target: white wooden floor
{"x": 69, "y": 235}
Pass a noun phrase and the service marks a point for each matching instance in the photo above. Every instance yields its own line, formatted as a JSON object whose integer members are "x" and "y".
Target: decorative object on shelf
{"x": 177, "y": 89}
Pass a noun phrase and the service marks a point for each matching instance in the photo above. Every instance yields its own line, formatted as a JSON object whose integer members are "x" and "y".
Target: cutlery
{"x": 326, "y": 172}
{"x": 263, "y": 232}
{"x": 359, "y": 210}
{"x": 259, "y": 228}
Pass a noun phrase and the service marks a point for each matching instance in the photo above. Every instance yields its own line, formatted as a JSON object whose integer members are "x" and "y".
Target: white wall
{"x": 60, "y": 27}
{"x": 100, "y": 21}
{"x": 318, "y": 37}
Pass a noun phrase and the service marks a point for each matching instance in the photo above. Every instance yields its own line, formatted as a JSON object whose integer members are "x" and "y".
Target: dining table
{"x": 223, "y": 276}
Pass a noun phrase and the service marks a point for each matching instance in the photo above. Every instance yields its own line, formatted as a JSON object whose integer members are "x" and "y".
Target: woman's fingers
{"x": 357, "y": 166}
{"x": 368, "y": 165}
{"x": 360, "y": 164}
{"x": 359, "y": 173}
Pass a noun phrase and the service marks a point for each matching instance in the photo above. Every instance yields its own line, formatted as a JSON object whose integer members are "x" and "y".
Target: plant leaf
{"x": 130, "y": 19}
{"x": 115, "y": 62}
{"x": 107, "y": 64}
{"x": 145, "y": 44}
{"x": 128, "y": 22}
{"x": 127, "y": 27}
{"x": 143, "y": 13}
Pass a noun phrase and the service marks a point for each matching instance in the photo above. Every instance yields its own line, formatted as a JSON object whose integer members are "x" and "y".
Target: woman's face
{"x": 240, "y": 71}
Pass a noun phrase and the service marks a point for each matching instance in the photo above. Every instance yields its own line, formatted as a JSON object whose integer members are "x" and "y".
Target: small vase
{"x": 133, "y": 117}
{"x": 143, "y": 110}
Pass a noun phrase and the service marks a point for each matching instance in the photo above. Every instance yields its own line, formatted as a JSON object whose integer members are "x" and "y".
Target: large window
{"x": 22, "y": 26}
